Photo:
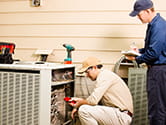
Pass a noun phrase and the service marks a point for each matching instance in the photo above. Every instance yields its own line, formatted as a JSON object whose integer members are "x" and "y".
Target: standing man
{"x": 154, "y": 55}
{"x": 110, "y": 103}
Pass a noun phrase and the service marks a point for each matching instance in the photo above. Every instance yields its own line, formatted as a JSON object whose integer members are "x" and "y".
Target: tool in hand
{"x": 69, "y": 100}
{"x": 69, "y": 49}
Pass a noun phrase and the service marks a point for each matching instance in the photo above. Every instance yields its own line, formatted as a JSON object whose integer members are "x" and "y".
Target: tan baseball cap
{"x": 90, "y": 61}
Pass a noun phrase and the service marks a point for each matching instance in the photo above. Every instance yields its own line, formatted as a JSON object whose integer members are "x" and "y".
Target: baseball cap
{"x": 141, "y": 5}
{"x": 90, "y": 61}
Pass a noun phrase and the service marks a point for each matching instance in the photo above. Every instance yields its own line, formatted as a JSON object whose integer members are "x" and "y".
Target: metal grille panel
{"x": 19, "y": 98}
{"x": 137, "y": 85}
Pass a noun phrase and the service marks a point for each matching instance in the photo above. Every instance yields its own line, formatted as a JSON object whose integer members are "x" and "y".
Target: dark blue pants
{"x": 156, "y": 89}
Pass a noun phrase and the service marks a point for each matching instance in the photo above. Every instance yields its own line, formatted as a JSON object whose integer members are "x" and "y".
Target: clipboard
{"x": 130, "y": 53}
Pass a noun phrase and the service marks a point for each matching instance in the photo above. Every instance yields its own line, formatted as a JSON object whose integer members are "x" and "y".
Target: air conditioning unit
{"x": 137, "y": 85}
{"x": 32, "y": 94}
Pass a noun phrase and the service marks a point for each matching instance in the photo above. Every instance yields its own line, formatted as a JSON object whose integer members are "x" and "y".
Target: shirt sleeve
{"x": 155, "y": 46}
{"x": 102, "y": 85}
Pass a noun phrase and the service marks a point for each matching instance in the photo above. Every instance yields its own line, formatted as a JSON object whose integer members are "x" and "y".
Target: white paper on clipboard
{"x": 130, "y": 53}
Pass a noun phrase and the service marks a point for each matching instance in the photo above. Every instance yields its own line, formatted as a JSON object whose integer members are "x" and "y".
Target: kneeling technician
{"x": 110, "y": 103}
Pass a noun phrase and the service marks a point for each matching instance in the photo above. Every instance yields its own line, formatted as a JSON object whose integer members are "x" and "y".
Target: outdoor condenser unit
{"x": 137, "y": 85}
{"x": 32, "y": 94}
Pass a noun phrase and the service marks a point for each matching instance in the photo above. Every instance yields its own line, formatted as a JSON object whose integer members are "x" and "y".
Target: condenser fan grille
{"x": 19, "y": 98}
{"x": 137, "y": 85}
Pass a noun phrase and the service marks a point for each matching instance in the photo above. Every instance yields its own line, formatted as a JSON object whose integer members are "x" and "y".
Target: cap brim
{"x": 82, "y": 70}
{"x": 134, "y": 13}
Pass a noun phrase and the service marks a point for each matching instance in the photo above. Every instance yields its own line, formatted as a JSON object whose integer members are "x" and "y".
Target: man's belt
{"x": 150, "y": 66}
{"x": 128, "y": 112}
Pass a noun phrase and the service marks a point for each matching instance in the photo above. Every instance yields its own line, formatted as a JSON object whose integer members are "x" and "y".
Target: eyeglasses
{"x": 86, "y": 71}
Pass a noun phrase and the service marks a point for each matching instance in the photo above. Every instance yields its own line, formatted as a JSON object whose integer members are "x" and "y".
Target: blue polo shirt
{"x": 154, "y": 51}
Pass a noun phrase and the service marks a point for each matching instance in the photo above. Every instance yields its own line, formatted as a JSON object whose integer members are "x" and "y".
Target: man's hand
{"x": 76, "y": 105}
{"x": 132, "y": 58}
{"x": 73, "y": 113}
{"x": 78, "y": 102}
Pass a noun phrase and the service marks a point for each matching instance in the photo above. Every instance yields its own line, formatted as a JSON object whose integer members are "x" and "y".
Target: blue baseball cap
{"x": 141, "y": 5}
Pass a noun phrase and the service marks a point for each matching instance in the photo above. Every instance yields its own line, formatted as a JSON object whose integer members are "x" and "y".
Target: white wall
{"x": 99, "y": 28}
